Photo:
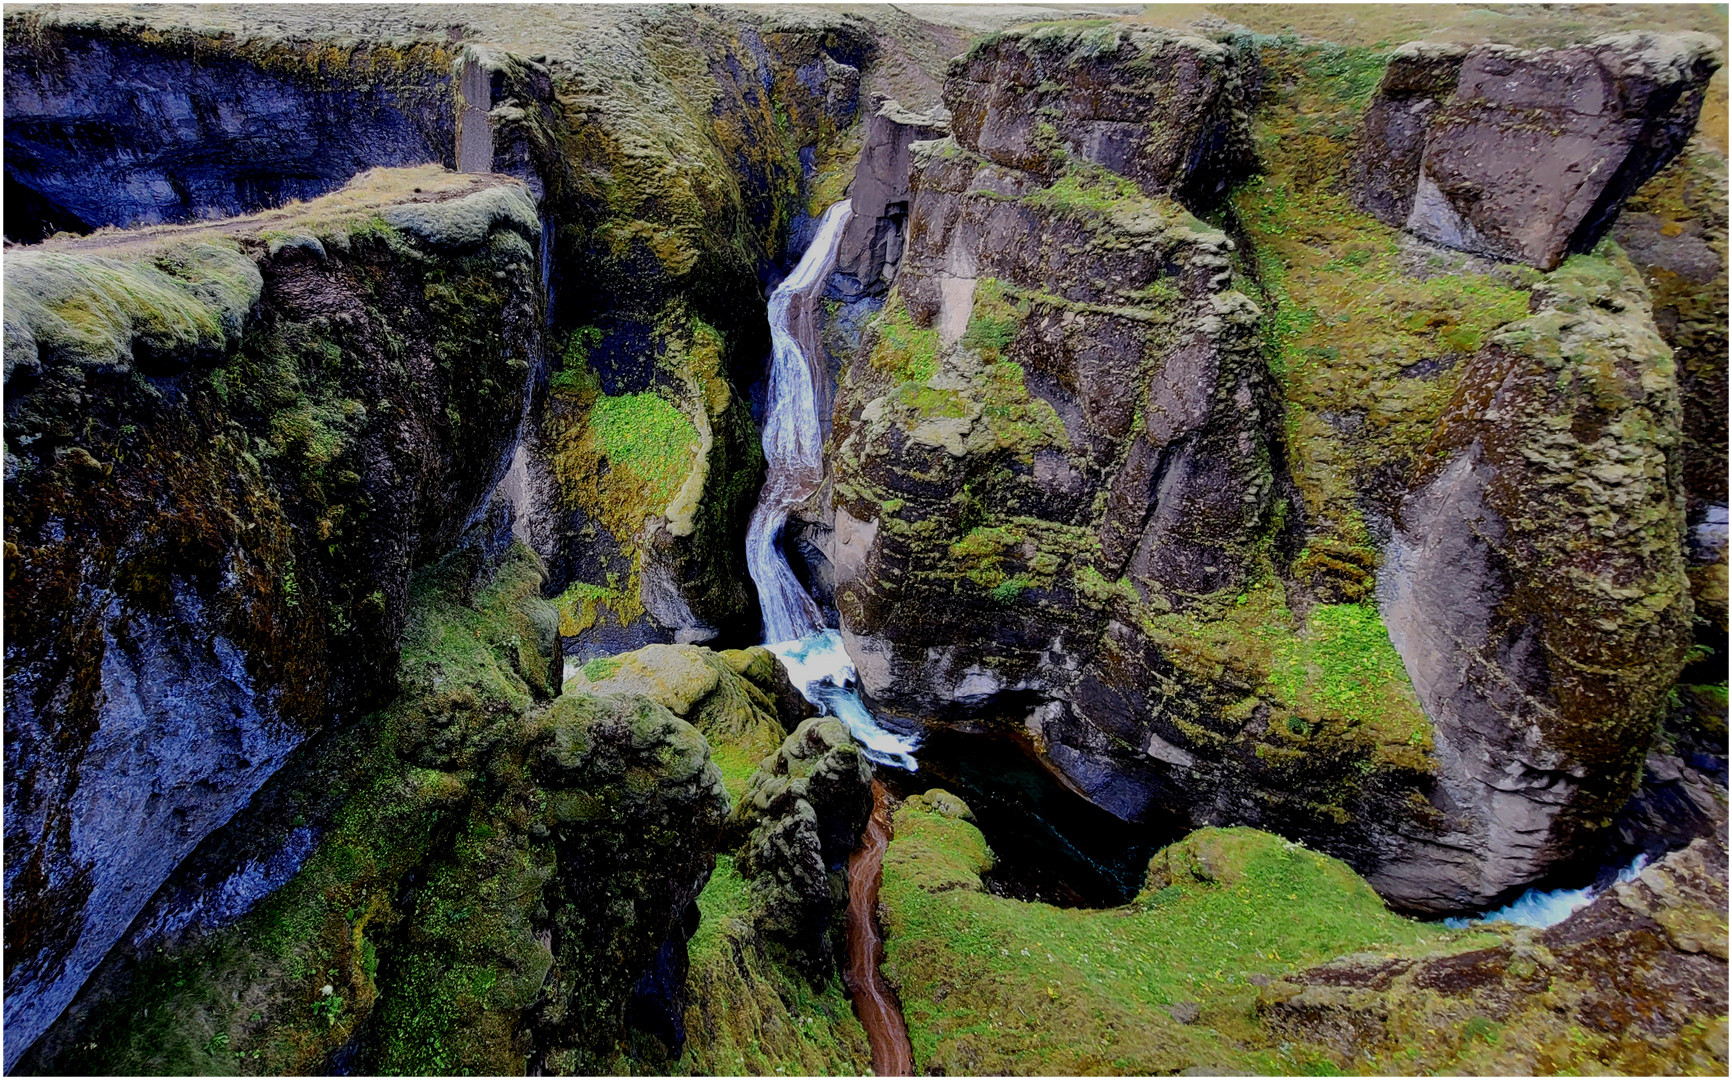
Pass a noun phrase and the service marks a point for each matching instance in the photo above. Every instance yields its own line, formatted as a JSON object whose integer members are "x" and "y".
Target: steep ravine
{"x": 873, "y": 999}
{"x": 1273, "y": 522}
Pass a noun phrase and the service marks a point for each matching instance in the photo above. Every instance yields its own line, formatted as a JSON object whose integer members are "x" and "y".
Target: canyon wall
{"x": 1415, "y": 593}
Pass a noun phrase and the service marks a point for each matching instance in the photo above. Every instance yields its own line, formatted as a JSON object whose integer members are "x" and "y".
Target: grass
{"x": 993, "y": 985}
{"x": 904, "y": 351}
{"x": 1364, "y": 337}
{"x": 1344, "y": 665}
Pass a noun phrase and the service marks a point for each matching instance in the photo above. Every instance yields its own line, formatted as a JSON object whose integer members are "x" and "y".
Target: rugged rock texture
{"x": 1543, "y": 640}
{"x": 459, "y": 872}
{"x": 740, "y": 699}
{"x": 1164, "y": 110}
{"x": 226, "y": 451}
{"x": 1527, "y": 155}
{"x": 875, "y": 237}
{"x": 1171, "y": 594}
{"x": 1634, "y": 983}
{"x": 621, "y": 899}
{"x": 193, "y": 126}
{"x": 806, "y": 807}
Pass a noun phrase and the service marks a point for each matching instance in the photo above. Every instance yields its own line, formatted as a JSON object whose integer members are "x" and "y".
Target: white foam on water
{"x": 820, "y": 669}
{"x": 1548, "y": 908}
{"x": 793, "y": 449}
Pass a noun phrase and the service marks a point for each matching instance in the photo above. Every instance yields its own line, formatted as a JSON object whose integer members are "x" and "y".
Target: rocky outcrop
{"x": 875, "y": 237}
{"x": 1061, "y": 505}
{"x": 805, "y": 808}
{"x": 1526, "y": 155}
{"x": 601, "y": 751}
{"x": 456, "y": 872}
{"x": 216, "y": 494}
{"x": 189, "y": 126}
{"x": 1164, "y": 110}
{"x": 1543, "y": 639}
{"x": 1635, "y": 982}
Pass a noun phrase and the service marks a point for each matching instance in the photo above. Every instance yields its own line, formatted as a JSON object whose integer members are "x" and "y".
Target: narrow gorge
{"x": 802, "y": 540}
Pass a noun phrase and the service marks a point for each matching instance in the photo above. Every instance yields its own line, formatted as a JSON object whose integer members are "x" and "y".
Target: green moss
{"x": 993, "y": 985}
{"x": 1089, "y": 190}
{"x": 748, "y": 1014}
{"x": 1342, "y": 665}
{"x": 993, "y": 320}
{"x": 904, "y": 352}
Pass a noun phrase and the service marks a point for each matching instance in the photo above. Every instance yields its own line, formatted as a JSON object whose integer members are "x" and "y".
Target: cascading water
{"x": 1548, "y": 908}
{"x": 794, "y": 454}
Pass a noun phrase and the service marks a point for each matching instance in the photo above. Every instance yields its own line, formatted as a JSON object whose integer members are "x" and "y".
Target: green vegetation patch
{"x": 904, "y": 351}
{"x": 1365, "y": 332}
{"x": 993, "y": 985}
{"x": 750, "y": 1016}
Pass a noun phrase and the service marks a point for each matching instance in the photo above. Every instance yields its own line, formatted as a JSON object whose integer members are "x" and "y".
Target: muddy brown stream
{"x": 874, "y": 1002}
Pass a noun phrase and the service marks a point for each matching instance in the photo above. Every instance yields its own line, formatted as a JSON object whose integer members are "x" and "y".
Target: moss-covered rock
{"x": 1075, "y": 493}
{"x": 740, "y": 699}
{"x": 445, "y": 905}
{"x": 1633, "y": 983}
{"x": 224, "y": 459}
{"x": 805, "y": 809}
{"x": 751, "y": 1013}
{"x": 1562, "y": 446}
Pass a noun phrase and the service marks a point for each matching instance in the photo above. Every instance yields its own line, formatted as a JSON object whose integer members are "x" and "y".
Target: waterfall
{"x": 794, "y": 455}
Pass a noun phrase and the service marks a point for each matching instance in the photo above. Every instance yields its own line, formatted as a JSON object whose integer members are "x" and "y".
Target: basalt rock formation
{"x": 1252, "y": 431}
{"x": 877, "y": 234}
{"x": 1526, "y": 155}
{"x": 1063, "y": 502}
{"x": 226, "y": 452}
{"x": 192, "y": 126}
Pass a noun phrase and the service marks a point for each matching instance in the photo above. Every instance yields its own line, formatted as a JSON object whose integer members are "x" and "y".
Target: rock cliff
{"x": 227, "y": 449}
{"x": 1121, "y": 480}
{"x": 1526, "y": 155}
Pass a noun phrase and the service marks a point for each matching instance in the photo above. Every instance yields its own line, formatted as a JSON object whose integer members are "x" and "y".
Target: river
{"x": 813, "y": 654}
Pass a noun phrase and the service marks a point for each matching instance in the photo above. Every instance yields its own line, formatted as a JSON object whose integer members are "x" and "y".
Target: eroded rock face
{"x": 1055, "y": 507}
{"x": 1536, "y": 585}
{"x": 875, "y": 237}
{"x": 215, "y": 498}
{"x": 1164, "y": 110}
{"x": 1642, "y": 970}
{"x": 113, "y": 126}
{"x": 1527, "y": 155}
{"x": 620, "y": 900}
{"x": 806, "y": 807}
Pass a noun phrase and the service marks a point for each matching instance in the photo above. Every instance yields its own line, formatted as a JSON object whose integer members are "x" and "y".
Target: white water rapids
{"x": 1542, "y": 909}
{"x": 813, "y": 654}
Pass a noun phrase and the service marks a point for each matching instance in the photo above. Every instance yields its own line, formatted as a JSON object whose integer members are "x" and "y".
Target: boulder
{"x": 1527, "y": 155}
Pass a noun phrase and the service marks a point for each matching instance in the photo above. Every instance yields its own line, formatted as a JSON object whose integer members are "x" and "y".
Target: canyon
{"x": 718, "y": 540}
